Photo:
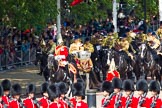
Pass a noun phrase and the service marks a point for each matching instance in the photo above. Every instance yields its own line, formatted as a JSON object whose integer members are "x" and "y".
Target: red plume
{"x": 76, "y": 2}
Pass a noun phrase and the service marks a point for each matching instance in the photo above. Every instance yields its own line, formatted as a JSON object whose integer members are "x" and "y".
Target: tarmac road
{"x": 28, "y": 75}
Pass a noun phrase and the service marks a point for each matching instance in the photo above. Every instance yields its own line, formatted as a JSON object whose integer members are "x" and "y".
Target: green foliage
{"x": 27, "y": 13}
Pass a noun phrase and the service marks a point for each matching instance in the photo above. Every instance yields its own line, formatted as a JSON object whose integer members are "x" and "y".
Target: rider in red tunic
{"x": 61, "y": 53}
{"x": 44, "y": 102}
{"x": 112, "y": 71}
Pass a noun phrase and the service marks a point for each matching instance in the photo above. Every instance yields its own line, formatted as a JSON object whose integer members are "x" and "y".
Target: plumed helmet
{"x": 53, "y": 91}
{"x": 62, "y": 87}
{"x": 6, "y": 84}
{"x": 142, "y": 85}
{"x": 44, "y": 87}
{"x": 16, "y": 89}
{"x": 107, "y": 86}
{"x": 154, "y": 86}
{"x": 1, "y": 91}
{"x": 78, "y": 89}
{"x": 128, "y": 85}
{"x": 31, "y": 88}
{"x": 117, "y": 83}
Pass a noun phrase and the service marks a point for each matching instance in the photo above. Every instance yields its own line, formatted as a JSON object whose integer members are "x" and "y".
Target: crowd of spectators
{"x": 14, "y": 41}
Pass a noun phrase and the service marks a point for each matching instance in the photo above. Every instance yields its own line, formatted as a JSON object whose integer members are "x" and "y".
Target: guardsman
{"x": 88, "y": 46}
{"x": 77, "y": 46}
{"x": 142, "y": 89}
{"x": 141, "y": 36}
{"x": 63, "y": 90}
{"x": 44, "y": 102}
{"x": 61, "y": 53}
{"x": 154, "y": 101}
{"x": 112, "y": 71}
{"x": 1, "y": 94}
{"x": 30, "y": 101}
{"x": 117, "y": 98}
{"x": 16, "y": 101}
{"x": 107, "y": 90}
{"x": 78, "y": 90}
{"x": 128, "y": 100}
{"x": 159, "y": 31}
{"x": 54, "y": 93}
{"x": 6, "y": 84}
{"x": 52, "y": 47}
{"x": 153, "y": 42}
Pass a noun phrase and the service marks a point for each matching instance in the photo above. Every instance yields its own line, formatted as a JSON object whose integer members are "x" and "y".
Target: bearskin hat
{"x": 6, "y": 84}
{"x": 31, "y": 88}
{"x": 78, "y": 89}
{"x": 63, "y": 87}
{"x": 44, "y": 87}
{"x": 117, "y": 83}
{"x": 81, "y": 81}
{"x": 142, "y": 85}
{"x": 16, "y": 89}
{"x": 154, "y": 86}
{"x": 107, "y": 86}
{"x": 53, "y": 91}
{"x": 1, "y": 91}
{"x": 128, "y": 85}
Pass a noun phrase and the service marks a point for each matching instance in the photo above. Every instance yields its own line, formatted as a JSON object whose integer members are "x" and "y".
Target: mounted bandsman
{"x": 159, "y": 31}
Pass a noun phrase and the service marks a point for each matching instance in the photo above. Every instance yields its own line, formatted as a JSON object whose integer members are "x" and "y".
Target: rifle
{"x": 4, "y": 104}
{"x": 108, "y": 100}
{"x": 153, "y": 104}
{"x": 21, "y": 103}
{"x": 117, "y": 104}
{"x": 69, "y": 103}
{"x": 142, "y": 100}
{"x": 35, "y": 101}
{"x": 129, "y": 101}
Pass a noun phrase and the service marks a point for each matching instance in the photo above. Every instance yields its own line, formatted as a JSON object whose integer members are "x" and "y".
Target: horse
{"x": 106, "y": 56}
{"x": 41, "y": 58}
{"x": 148, "y": 62}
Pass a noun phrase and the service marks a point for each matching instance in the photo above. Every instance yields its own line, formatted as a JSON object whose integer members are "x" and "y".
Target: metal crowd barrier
{"x": 17, "y": 58}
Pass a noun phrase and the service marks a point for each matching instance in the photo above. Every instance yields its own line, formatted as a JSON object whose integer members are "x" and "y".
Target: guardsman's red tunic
{"x": 44, "y": 102}
{"x": 14, "y": 104}
{"x": 29, "y": 103}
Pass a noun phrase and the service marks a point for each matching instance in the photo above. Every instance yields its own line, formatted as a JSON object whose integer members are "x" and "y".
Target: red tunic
{"x": 5, "y": 100}
{"x": 111, "y": 75}
{"x": 158, "y": 102}
{"x": 14, "y": 104}
{"x": 145, "y": 103}
{"x": 61, "y": 50}
{"x": 132, "y": 102}
{"x": 55, "y": 105}
{"x": 110, "y": 105}
{"x": 81, "y": 104}
{"x": 63, "y": 103}
{"x": 44, "y": 102}
{"x": 28, "y": 103}
{"x": 73, "y": 101}
{"x": 115, "y": 98}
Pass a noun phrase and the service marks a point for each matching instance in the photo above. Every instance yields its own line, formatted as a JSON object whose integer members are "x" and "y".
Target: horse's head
{"x": 52, "y": 62}
{"x": 143, "y": 50}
